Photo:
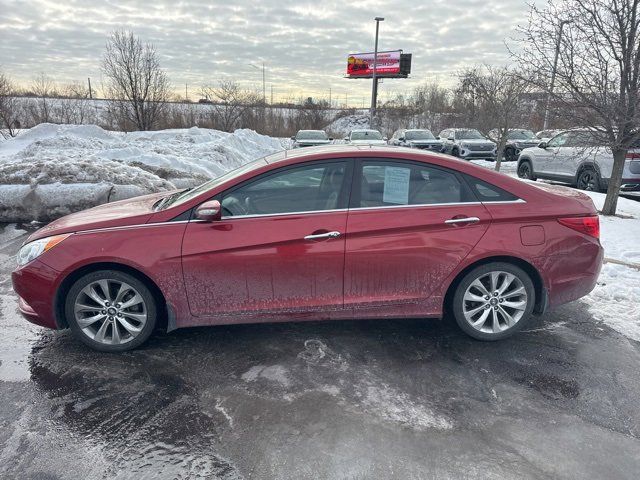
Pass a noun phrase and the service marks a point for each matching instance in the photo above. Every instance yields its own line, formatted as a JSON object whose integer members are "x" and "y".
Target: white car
{"x": 570, "y": 157}
{"x": 310, "y": 138}
{"x": 416, "y": 138}
{"x": 365, "y": 137}
{"x": 467, "y": 143}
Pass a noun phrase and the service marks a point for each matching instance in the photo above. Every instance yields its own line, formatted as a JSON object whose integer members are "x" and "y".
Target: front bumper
{"x": 36, "y": 286}
{"x": 475, "y": 154}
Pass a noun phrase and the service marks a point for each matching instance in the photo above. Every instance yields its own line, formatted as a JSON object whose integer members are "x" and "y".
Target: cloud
{"x": 303, "y": 44}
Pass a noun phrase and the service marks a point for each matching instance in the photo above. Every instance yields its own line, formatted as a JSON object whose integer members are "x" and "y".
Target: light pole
{"x": 264, "y": 87}
{"x": 374, "y": 87}
{"x": 553, "y": 73}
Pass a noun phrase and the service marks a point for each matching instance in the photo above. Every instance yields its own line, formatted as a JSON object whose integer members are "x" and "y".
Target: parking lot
{"x": 346, "y": 400}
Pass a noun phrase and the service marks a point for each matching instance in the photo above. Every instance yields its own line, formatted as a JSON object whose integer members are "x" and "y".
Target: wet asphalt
{"x": 401, "y": 399}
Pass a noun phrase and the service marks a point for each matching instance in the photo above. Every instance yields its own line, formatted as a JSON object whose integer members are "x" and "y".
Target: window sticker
{"x": 396, "y": 185}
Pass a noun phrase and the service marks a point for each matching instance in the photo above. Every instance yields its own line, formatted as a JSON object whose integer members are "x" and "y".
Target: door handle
{"x": 320, "y": 236}
{"x": 462, "y": 220}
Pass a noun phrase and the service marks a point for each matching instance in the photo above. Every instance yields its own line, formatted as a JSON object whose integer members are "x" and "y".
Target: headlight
{"x": 33, "y": 250}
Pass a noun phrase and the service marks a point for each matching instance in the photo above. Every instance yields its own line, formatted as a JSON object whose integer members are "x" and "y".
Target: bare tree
{"x": 231, "y": 102}
{"x": 596, "y": 79}
{"x": 74, "y": 106}
{"x": 8, "y": 107}
{"x": 43, "y": 89}
{"x": 498, "y": 93}
{"x": 137, "y": 85}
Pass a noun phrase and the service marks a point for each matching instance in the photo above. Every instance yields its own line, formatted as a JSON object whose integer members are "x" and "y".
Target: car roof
{"x": 311, "y": 131}
{"x": 364, "y": 130}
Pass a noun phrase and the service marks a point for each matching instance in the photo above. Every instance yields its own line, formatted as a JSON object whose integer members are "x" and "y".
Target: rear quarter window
{"x": 486, "y": 192}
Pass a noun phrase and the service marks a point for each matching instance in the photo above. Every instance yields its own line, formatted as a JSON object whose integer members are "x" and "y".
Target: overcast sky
{"x": 303, "y": 44}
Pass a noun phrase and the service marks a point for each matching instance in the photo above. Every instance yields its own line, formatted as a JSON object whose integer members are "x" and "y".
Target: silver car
{"x": 416, "y": 138}
{"x": 310, "y": 138}
{"x": 467, "y": 143}
{"x": 571, "y": 157}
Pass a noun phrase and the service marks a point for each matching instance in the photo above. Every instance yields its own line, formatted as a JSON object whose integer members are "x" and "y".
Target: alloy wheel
{"x": 524, "y": 171}
{"x": 494, "y": 302}
{"x": 587, "y": 181}
{"x": 110, "y": 311}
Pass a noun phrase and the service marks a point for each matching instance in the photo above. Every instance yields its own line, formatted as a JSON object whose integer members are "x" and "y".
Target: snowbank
{"x": 51, "y": 170}
{"x": 344, "y": 125}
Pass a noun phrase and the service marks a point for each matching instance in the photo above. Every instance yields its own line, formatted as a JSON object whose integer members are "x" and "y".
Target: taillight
{"x": 587, "y": 225}
{"x": 632, "y": 156}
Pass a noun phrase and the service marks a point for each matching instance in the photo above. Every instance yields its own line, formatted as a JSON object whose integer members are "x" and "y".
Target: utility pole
{"x": 186, "y": 92}
{"x": 90, "y": 92}
{"x": 329, "y": 97}
{"x": 272, "y": 94}
{"x": 553, "y": 73}
{"x": 374, "y": 87}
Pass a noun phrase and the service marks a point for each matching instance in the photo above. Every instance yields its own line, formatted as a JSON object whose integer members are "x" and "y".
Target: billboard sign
{"x": 360, "y": 65}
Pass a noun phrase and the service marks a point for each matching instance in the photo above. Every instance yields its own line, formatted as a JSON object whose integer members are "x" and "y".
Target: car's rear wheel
{"x": 110, "y": 311}
{"x": 525, "y": 170}
{"x": 493, "y": 301}
{"x": 589, "y": 180}
{"x": 455, "y": 152}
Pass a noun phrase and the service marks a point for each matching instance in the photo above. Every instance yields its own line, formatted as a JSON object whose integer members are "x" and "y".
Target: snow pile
{"x": 614, "y": 301}
{"x": 51, "y": 170}
{"x": 344, "y": 125}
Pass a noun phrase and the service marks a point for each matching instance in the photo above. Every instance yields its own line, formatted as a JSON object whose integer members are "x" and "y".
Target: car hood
{"x": 368, "y": 142}
{"x": 116, "y": 214}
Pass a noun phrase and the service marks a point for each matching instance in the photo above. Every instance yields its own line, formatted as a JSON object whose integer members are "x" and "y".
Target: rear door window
{"x": 397, "y": 183}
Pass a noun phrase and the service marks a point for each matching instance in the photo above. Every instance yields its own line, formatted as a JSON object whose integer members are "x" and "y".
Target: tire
{"x": 589, "y": 180}
{"x": 477, "y": 316}
{"x": 102, "y": 320}
{"x": 510, "y": 155}
{"x": 525, "y": 170}
{"x": 455, "y": 152}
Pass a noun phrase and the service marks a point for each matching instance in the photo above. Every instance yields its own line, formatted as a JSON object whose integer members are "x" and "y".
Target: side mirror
{"x": 346, "y": 139}
{"x": 210, "y": 211}
{"x": 543, "y": 145}
{"x": 331, "y": 139}
{"x": 401, "y": 139}
{"x": 437, "y": 138}
{"x": 450, "y": 139}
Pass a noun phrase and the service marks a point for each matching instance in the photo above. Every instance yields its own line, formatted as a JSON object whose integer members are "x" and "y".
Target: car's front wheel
{"x": 493, "y": 301}
{"x": 111, "y": 311}
{"x": 525, "y": 170}
{"x": 510, "y": 155}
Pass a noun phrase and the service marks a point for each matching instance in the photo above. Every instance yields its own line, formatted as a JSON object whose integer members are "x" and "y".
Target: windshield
{"x": 521, "y": 135}
{"x": 192, "y": 193}
{"x": 469, "y": 135}
{"x": 419, "y": 135}
{"x": 366, "y": 135}
{"x": 311, "y": 135}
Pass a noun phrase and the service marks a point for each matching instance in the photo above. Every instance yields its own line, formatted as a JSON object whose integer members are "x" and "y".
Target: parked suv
{"x": 365, "y": 137}
{"x": 517, "y": 140}
{"x": 573, "y": 158}
{"x": 310, "y": 138}
{"x": 467, "y": 143}
{"x": 416, "y": 138}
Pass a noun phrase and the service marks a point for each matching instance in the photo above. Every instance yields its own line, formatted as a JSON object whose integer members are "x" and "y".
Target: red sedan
{"x": 316, "y": 234}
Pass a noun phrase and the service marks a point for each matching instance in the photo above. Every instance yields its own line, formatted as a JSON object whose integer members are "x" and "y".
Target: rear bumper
{"x": 573, "y": 276}
{"x": 36, "y": 287}
{"x": 630, "y": 184}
